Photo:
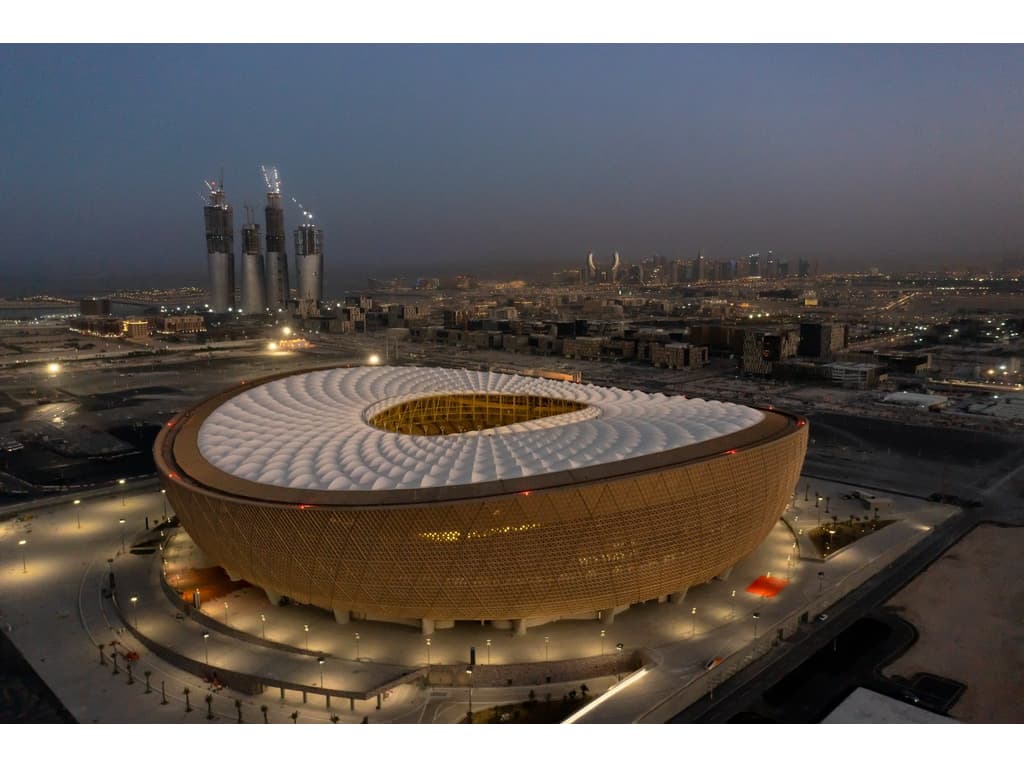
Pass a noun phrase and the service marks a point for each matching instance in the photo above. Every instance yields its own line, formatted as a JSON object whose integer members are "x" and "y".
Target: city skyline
{"x": 506, "y": 159}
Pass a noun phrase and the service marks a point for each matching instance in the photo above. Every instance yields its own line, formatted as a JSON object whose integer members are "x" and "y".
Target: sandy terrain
{"x": 968, "y": 608}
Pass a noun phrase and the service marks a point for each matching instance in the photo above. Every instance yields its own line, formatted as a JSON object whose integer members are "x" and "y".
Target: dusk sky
{"x": 499, "y": 160}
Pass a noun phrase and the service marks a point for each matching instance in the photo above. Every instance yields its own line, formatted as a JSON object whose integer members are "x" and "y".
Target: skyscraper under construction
{"x": 254, "y": 289}
{"x": 220, "y": 248}
{"x": 309, "y": 260}
{"x": 277, "y": 258}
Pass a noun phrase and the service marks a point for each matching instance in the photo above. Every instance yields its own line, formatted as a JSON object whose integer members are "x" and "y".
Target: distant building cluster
{"x": 661, "y": 271}
{"x": 95, "y": 320}
{"x": 265, "y": 280}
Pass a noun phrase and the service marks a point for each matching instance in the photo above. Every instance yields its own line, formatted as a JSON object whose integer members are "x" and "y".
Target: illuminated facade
{"x": 544, "y": 500}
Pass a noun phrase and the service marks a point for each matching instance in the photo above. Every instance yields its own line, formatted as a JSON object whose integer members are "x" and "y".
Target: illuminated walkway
{"x": 57, "y": 616}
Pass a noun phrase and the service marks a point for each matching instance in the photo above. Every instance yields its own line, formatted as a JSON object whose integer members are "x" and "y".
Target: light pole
{"x": 305, "y": 628}
{"x": 428, "y": 651}
{"x": 357, "y": 646}
{"x": 24, "y": 564}
{"x": 756, "y": 617}
{"x": 321, "y": 661}
{"x": 225, "y": 613}
{"x": 732, "y": 606}
{"x": 469, "y": 671}
{"x": 163, "y": 497}
{"x": 135, "y": 610}
{"x": 121, "y": 483}
{"x": 618, "y": 661}
{"x": 488, "y": 651}
{"x": 693, "y": 621}
{"x": 547, "y": 641}
{"x": 206, "y": 647}
{"x": 121, "y": 522}
{"x": 78, "y": 512}
{"x": 263, "y": 624}
{"x": 603, "y": 633}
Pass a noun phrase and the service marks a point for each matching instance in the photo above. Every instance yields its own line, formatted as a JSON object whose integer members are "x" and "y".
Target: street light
{"x": 24, "y": 565}
{"x": 225, "y": 613}
{"x": 618, "y": 661}
{"x": 693, "y": 621}
{"x": 121, "y": 483}
{"x": 469, "y": 671}
{"x": 547, "y": 640}
{"x": 78, "y": 512}
{"x": 756, "y": 617}
{"x": 53, "y": 368}
{"x": 488, "y": 651}
{"x": 373, "y": 359}
{"x": 428, "y": 651}
{"x": 206, "y": 647}
{"x": 305, "y": 628}
{"x": 357, "y": 646}
{"x": 732, "y": 608}
{"x": 321, "y": 661}
{"x": 135, "y": 611}
{"x": 121, "y": 522}
{"x": 163, "y": 496}
{"x": 263, "y": 620}
{"x": 602, "y": 641}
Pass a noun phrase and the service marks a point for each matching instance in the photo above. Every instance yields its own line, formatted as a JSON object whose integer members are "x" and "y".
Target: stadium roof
{"x": 311, "y": 431}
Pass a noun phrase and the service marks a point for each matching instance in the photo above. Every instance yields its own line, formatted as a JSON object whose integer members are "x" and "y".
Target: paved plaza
{"x": 52, "y": 605}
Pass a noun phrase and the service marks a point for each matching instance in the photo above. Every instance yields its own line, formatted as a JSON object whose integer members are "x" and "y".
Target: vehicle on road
{"x": 712, "y": 663}
{"x": 821, "y": 617}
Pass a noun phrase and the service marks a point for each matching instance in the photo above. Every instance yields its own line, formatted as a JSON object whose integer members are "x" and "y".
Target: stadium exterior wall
{"x": 572, "y": 543}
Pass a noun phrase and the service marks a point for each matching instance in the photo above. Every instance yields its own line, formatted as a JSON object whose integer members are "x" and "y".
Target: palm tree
{"x": 209, "y": 706}
{"x": 294, "y": 716}
{"x": 263, "y": 709}
{"x": 188, "y": 706}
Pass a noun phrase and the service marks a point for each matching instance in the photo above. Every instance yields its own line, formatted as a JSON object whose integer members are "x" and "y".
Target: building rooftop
{"x": 384, "y": 428}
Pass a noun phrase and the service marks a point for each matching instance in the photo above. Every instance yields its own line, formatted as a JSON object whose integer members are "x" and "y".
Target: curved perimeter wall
{"x": 560, "y": 551}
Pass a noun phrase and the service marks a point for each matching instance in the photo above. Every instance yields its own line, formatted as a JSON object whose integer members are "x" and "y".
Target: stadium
{"x": 431, "y": 495}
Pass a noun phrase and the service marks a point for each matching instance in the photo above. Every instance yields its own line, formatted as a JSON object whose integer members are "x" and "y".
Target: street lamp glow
{"x": 374, "y": 359}
{"x": 53, "y": 368}
{"x": 305, "y": 628}
{"x": 24, "y": 565}
{"x": 263, "y": 619}
{"x": 206, "y": 647}
{"x": 286, "y": 331}
{"x": 78, "y": 513}
{"x": 272, "y": 346}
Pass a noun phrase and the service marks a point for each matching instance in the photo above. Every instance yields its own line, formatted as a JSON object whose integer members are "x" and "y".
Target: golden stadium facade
{"x": 437, "y": 495}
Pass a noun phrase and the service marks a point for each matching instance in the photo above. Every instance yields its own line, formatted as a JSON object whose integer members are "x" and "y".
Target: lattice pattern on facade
{"x": 558, "y": 551}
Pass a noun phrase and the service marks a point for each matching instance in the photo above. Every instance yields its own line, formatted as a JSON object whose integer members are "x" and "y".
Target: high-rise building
{"x": 220, "y": 249}
{"x": 309, "y": 265}
{"x": 599, "y": 274}
{"x": 254, "y": 288}
{"x": 278, "y": 286}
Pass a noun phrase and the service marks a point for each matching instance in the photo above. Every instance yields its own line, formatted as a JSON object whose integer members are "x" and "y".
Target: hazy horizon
{"x": 425, "y": 160}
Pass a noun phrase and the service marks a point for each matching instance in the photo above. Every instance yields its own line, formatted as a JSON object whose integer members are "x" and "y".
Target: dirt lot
{"x": 968, "y": 608}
